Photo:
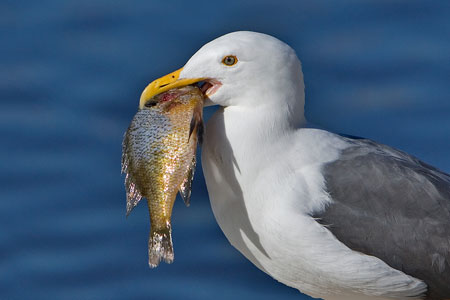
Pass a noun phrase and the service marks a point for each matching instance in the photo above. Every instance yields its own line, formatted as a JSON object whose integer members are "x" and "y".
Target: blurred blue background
{"x": 71, "y": 73}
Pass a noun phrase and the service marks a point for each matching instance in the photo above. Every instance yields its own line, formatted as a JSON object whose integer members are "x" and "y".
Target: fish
{"x": 158, "y": 158}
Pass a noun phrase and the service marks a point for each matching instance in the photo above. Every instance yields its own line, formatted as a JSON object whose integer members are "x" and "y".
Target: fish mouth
{"x": 209, "y": 86}
{"x": 172, "y": 80}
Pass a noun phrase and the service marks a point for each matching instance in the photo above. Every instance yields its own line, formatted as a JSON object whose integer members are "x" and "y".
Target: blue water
{"x": 71, "y": 73}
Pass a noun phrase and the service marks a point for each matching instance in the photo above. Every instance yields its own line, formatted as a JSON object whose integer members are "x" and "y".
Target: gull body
{"x": 273, "y": 183}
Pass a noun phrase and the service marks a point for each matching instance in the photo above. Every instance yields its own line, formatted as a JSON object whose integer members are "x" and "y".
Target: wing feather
{"x": 391, "y": 205}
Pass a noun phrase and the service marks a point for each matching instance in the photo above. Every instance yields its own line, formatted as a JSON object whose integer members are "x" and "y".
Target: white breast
{"x": 262, "y": 190}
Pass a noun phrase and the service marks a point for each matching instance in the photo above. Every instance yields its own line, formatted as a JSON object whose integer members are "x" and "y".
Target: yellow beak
{"x": 163, "y": 84}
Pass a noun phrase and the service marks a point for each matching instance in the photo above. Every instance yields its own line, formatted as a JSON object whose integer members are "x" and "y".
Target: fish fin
{"x": 197, "y": 125}
{"x": 186, "y": 185}
{"x": 200, "y": 131}
{"x": 192, "y": 127}
{"x": 160, "y": 246}
{"x": 133, "y": 193}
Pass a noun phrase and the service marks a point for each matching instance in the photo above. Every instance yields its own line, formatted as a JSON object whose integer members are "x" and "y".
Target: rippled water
{"x": 71, "y": 73}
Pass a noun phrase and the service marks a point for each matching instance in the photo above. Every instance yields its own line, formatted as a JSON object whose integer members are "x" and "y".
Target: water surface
{"x": 70, "y": 78}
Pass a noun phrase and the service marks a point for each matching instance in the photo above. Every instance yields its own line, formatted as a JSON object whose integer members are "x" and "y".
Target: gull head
{"x": 240, "y": 69}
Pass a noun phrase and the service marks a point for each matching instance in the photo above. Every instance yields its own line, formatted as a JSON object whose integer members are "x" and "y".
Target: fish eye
{"x": 229, "y": 60}
{"x": 150, "y": 103}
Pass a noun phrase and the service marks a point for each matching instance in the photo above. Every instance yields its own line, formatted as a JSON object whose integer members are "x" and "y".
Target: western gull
{"x": 333, "y": 216}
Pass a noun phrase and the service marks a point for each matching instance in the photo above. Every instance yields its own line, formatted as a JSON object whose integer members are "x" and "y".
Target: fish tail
{"x": 160, "y": 246}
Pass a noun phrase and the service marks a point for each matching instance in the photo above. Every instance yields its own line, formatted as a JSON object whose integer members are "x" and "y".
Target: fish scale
{"x": 159, "y": 160}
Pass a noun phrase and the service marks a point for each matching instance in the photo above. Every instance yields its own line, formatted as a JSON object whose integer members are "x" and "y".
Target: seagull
{"x": 336, "y": 217}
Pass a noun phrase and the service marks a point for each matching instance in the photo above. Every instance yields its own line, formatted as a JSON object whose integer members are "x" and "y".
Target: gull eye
{"x": 229, "y": 60}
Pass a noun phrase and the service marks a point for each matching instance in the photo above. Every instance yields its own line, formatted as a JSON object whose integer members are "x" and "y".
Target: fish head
{"x": 186, "y": 98}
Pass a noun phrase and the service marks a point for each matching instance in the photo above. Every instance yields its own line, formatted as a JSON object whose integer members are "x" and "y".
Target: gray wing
{"x": 391, "y": 205}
